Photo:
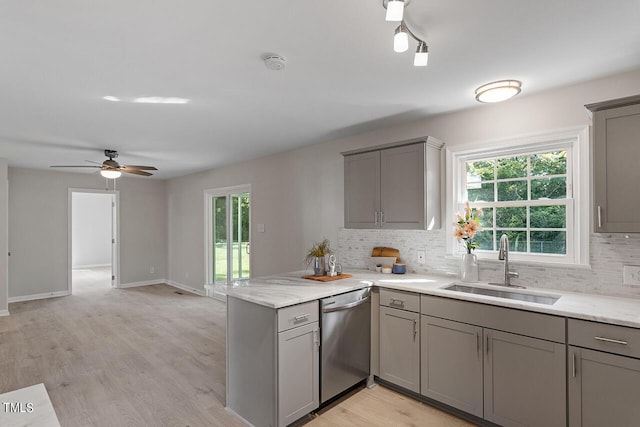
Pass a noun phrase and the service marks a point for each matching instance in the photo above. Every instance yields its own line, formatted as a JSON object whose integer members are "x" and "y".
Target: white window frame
{"x": 576, "y": 142}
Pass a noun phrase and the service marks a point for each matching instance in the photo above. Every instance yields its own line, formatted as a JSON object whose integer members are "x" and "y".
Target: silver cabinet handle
{"x": 415, "y": 329}
{"x": 487, "y": 344}
{"x": 478, "y": 343}
{"x": 599, "y": 217}
{"x": 381, "y": 217}
{"x": 611, "y": 340}
{"x": 316, "y": 341}
{"x": 397, "y": 302}
{"x": 301, "y": 318}
{"x": 574, "y": 365}
{"x": 375, "y": 217}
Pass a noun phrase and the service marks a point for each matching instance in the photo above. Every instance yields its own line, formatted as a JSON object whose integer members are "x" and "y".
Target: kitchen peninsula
{"x": 559, "y": 337}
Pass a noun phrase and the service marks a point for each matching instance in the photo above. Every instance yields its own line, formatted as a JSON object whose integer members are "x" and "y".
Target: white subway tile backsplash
{"x": 609, "y": 253}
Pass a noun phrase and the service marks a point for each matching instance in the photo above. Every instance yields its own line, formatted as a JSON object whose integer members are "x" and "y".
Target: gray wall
{"x": 38, "y": 232}
{"x": 91, "y": 230}
{"x": 298, "y": 194}
{"x": 4, "y": 236}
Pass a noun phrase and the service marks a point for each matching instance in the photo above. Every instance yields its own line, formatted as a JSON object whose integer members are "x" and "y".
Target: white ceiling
{"x": 59, "y": 58}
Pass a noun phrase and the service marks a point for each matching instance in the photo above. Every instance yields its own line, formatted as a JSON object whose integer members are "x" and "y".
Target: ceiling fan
{"x": 112, "y": 169}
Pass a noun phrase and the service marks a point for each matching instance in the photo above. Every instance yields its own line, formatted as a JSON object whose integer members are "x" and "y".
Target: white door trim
{"x": 115, "y": 262}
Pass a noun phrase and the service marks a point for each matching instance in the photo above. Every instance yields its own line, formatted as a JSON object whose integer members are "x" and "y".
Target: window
{"x": 535, "y": 191}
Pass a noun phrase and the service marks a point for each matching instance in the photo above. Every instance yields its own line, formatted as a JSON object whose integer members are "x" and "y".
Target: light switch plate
{"x": 260, "y": 228}
{"x": 631, "y": 275}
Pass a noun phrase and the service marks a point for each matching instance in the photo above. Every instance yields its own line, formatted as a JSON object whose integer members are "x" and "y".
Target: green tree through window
{"x": 524, "y": 196}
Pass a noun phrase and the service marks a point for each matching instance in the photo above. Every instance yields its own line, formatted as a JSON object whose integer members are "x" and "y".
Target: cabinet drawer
{"x": 297, "y": 315}
{"x": 400, "y": 299}
{"x": 605, "y": 337}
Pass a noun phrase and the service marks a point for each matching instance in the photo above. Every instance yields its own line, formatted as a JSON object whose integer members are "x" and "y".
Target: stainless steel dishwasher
{"x": 345, "y": 341}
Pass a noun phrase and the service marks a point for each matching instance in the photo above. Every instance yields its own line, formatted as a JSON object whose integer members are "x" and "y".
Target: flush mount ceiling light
{"x": 395, "y": 13}
{"x": 498, "y": 91}
{"x": 148, "y": 100}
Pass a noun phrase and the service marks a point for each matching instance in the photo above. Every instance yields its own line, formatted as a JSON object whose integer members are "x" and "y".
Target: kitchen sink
{"x": 505, "y": 293}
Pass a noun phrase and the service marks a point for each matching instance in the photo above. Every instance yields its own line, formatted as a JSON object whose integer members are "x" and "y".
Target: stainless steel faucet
{"x": 503, "y": 255}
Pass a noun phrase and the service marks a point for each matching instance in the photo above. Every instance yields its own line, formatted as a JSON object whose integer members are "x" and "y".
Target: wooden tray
{"x": 327, "y": 278}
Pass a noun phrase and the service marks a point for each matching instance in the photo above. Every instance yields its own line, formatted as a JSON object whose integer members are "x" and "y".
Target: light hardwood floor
{"x": 150, "y": 356}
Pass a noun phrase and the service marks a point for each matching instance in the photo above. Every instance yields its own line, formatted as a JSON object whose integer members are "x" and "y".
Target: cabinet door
{"x": 400, "y": 348}
{"x": 403, "y": 180}
{"x": 298, "y": 373}
{"x": 524, "y": 380}
{"x": 616, "y": 154}
{"x": 362, "y": 190}
{"x": 603, "y": 389}
{"x": 451, "y": 363}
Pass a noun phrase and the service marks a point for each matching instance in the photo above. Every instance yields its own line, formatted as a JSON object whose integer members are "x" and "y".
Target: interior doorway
{"x": 93, "y": 239}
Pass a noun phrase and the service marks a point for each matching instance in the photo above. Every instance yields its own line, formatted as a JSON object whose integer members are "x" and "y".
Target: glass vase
{"x": 319, "y": 266}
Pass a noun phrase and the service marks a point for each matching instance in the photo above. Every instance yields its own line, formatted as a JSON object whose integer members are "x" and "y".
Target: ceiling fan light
{"x": 498, "y": 91}
{"x": 395, "y": 10}
{"x": 110, "y": 174}
{"x": 401, "y": 39}
{"x": 421, "y": 59}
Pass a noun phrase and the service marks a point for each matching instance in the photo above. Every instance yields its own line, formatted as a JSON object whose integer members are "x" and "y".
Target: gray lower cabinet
{"x": 451, "y": 358}
{"x": 400, "y": 347}
{"x": 298, "y": 372}
{"x": 603, "y": 389}
{"x": 603, "y": 375}
{"x": 272, "y": 362}
{"x": 506, "y": 366}
{"x": 524, "y": 380}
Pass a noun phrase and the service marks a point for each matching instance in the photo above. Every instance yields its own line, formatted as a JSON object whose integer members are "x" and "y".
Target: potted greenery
{"x": 317, "y": 255}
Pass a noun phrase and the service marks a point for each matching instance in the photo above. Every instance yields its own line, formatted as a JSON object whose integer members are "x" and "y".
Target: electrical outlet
{"x": 422, "y": 256}
{"x": 631, "y": 275}
{"x": 152, "y": 270}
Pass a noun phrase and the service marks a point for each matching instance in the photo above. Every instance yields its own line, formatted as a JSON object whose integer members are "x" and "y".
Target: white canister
{"x": 469, "y": 269}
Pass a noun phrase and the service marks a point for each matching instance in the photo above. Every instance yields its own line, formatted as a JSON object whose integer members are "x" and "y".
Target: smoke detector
{"x": 274, "y": 62}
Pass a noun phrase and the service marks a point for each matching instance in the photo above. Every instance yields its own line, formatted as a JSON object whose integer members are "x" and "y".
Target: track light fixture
{"x": 421, "y": 59}
{"x": 395, "y": 12}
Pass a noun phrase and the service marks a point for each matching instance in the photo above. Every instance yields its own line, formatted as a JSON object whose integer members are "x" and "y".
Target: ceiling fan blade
{"x": 136, "y": 172}
{"x": 91, "y": 161}
{"x": 74, "y": 166}
{"x": 144, "y": 168}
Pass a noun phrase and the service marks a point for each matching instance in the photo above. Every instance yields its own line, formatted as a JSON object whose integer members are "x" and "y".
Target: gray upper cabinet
{"x": 395, "y": 186}
{"x": 362, "y": 190}
{"x": 616, "y": 149}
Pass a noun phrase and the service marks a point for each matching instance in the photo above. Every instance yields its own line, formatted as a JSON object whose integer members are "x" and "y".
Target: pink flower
{"x": 466, "y": 227}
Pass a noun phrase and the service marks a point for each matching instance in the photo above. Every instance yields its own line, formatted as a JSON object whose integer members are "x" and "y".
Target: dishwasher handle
{"x": 346, "y": 306}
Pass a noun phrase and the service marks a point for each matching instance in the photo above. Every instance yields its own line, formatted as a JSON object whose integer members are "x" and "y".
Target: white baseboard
{"x": 185, "y": 288}
{"x": 143, "y": 283}
{"x": 4, "y": 312}
{"x": 39, "y": 296}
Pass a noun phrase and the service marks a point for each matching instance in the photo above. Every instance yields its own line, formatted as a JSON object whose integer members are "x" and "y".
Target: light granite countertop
{"x": 288, "y": 289}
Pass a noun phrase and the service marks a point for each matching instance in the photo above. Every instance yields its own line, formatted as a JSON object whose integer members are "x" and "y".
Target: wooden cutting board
{"x": 327, "y": 278}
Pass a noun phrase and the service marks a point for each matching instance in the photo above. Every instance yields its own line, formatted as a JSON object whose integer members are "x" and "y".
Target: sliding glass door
{"x": 229, "y": 243}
